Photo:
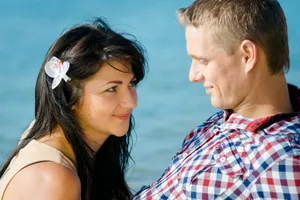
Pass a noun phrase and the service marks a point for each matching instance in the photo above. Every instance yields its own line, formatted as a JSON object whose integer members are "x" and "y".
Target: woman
{"x": 78, "y": 146}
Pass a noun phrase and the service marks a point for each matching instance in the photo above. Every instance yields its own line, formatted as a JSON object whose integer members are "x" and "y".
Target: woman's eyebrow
{"x": 118, "y": 82}
{"x": 115, "y": 82}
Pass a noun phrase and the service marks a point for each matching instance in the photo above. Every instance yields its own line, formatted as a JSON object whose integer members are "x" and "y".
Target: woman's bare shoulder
{"x": 44, "y": 180}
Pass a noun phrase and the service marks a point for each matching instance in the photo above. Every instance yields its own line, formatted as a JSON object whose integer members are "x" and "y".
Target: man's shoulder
{"x": 286, "y": 126}
{"x": 282, "y": 135}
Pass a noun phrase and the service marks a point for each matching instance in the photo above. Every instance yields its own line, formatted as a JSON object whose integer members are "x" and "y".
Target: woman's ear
{"x": 74, "y": 108}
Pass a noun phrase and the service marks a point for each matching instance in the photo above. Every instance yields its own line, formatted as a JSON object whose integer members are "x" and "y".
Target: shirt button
{"x": 216, "y": 156}
{"x": 184, "y": 155}
{"x": 223, "y": 159}
{"x": 215, "y": 130}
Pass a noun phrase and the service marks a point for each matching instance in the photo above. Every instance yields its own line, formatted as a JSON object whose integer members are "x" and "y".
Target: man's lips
{"x": 123, "y": 116}
{"x": 208, "y": 88}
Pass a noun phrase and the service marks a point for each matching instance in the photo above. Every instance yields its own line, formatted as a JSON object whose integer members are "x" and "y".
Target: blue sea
{"x": 169, "y": 106}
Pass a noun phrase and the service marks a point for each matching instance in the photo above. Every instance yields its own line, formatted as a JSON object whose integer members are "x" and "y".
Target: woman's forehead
{"x": 114, "y": 70}
{"x": 124, "y": 66}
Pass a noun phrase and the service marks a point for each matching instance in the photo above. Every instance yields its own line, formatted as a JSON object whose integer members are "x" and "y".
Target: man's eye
{"x": 203, "y": 62}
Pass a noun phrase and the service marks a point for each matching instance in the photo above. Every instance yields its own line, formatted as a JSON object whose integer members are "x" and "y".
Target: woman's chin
{"x": 119, "y": 133}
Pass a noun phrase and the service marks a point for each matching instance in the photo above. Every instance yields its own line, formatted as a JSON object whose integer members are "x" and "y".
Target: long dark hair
{"x": 86, "y": 47}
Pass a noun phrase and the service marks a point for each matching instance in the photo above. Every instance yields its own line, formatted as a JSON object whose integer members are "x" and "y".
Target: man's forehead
{"x": 198, "y": 40}
{"x": 191, "y": 32}
{"x": 198, "y": 34}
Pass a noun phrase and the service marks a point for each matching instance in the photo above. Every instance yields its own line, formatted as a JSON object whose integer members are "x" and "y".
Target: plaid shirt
{"x": 233, "y": 157}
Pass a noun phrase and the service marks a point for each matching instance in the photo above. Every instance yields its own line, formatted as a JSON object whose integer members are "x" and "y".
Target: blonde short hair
{"x": 232, "y": 21}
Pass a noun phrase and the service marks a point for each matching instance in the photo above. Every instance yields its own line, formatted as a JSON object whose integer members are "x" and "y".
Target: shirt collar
{"x": 236, "y": 121}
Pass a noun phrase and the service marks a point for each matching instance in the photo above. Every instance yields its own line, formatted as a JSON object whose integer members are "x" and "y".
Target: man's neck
{"x": 268, "y": 99}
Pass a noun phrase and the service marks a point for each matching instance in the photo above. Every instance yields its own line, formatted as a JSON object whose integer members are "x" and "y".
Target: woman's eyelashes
{"x": 112, "y": 89}
{"x": 132, "y": 84}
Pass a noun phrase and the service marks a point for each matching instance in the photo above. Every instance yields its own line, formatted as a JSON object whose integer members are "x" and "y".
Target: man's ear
{"x": 250, "y": 54}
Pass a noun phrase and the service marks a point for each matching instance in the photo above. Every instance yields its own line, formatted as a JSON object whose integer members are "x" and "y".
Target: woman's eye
{"x": 112, "y": 89}
{"x": 132, "y": 83}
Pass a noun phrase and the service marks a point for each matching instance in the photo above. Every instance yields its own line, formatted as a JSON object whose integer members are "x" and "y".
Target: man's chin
{"x": 219, "y": 105}
{"x": 216, "y": 104}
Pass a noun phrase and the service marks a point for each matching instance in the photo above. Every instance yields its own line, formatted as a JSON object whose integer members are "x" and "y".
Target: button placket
{"x": 229, "y": 159}
{"x": 216, "y": 156}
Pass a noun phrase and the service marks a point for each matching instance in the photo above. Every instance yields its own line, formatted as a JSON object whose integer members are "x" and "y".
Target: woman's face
{"x": 107, "y": 101}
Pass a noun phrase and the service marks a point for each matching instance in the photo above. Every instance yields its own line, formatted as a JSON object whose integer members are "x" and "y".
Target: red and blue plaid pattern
{"x": 232, "y": 157}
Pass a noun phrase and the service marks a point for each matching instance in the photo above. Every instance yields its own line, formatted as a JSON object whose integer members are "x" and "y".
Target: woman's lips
{"x": 123, "y": 116}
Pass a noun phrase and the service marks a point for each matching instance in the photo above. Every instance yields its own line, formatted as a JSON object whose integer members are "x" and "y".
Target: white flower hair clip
{"x": 57, "y": 69}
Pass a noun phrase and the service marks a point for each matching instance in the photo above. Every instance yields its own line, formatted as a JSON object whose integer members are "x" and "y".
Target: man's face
{"x": 222, "y": 75}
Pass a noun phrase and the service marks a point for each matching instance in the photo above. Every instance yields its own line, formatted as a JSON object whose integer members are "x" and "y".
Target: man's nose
{"x": 195, "y": 74}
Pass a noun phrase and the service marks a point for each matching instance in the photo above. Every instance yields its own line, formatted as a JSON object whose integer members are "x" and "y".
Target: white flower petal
{"x": 56, "y": 82}
{"x": 54, "y": 68}
{"x": 54, "y": 59}
{"x": 51, "y": 70}
{"x": 65, "y": 67}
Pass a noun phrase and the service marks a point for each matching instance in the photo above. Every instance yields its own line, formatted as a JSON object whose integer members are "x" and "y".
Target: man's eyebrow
{"x": 196, "y": 57}
{"x": 193, "y": 56}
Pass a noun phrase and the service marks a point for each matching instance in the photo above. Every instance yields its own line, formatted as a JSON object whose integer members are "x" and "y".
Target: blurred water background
{"x": 169, "y": 106}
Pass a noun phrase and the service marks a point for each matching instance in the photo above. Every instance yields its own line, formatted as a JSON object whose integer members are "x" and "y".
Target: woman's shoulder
{"x": 44, "y": 180}
{"x": 58, "y": 142}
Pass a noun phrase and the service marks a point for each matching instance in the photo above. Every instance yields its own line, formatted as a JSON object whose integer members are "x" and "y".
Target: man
{"x": 250, "y": 149}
